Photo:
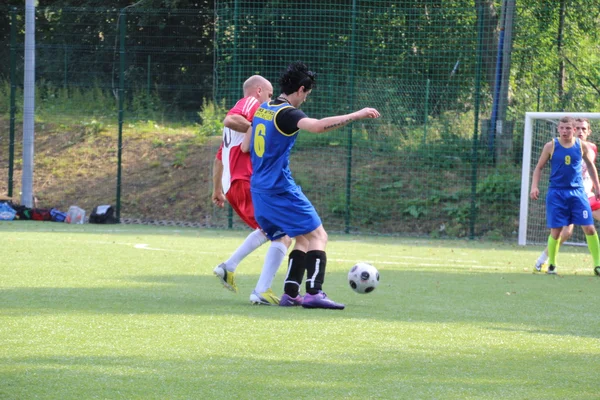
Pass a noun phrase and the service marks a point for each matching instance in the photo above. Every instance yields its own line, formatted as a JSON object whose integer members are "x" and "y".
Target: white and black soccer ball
{"x": 363, "y": 278}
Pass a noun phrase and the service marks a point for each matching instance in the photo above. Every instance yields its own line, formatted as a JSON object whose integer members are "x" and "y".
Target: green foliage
{"x": 444, "y": 143}
{"x": 501, "y": 186}
{"x": 5, "y": 98}
{"x": 415, "y": 209}
{"x": 211, "y": 118}
{"x": 536, "y": 61}
{"x": 157, "y": 143}
{"x": 146, "y": 105}
{"x": 181, "y": 154}
{"x": 93, "y": 127}
{"x": 54, "y": 100}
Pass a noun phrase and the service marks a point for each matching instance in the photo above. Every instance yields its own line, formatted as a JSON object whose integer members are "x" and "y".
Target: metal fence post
{"x": 122, "y": 28}
{"x": 474, "y": 159}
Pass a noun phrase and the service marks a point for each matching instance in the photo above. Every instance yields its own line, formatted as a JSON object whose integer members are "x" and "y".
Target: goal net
{"x": 540, "y": 128}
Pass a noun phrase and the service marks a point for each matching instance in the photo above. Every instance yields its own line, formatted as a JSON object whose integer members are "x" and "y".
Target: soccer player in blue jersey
{"x": 280, "y": 207}
{"x": 566, "y": 201}
{"x": 582, "y": 130}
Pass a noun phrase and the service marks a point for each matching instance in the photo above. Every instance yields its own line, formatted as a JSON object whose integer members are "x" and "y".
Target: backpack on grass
{"x": 103, "y": 215}
{"x": 57, "y": 216}
{"x": 7, "y": 213}
{"x": 41, "y": 214}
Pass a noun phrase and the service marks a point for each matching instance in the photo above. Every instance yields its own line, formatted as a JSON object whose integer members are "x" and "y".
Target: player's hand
{"x": 218, "y": 199}
{"x": 535, "y": 193}
{"x": 368, "y": 112}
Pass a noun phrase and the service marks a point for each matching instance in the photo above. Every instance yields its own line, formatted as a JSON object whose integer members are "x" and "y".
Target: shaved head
{"x": 255, "y": 81}
{"x": 259, "y": 87}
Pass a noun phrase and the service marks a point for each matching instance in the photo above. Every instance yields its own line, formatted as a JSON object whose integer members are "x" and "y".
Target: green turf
{"x": 86, "y": 314}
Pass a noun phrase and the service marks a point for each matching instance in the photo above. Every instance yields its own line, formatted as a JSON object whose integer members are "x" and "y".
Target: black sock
{"x": 316, "y": 261}
{"x": 295, "y": 273}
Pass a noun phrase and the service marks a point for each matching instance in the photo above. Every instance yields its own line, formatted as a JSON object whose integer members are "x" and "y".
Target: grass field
{"x": 134, "y": 312}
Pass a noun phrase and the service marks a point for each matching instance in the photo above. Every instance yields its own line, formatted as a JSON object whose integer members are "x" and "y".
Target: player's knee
{"x": 301, "y": 243}
{"x": 589, "y": 229}
{"x": 319, "y": 235}
{"x": 286, "y": 240}
{"x": 566, "y": 235}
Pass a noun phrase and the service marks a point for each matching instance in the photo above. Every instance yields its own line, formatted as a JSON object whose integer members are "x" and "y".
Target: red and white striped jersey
{"x": 236, "y": 163}
{"x": 587, "y": 179}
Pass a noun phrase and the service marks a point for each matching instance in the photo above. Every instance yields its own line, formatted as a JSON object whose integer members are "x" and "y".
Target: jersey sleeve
{"x": 287, "y": 119}
{"x": 245, "y": 107}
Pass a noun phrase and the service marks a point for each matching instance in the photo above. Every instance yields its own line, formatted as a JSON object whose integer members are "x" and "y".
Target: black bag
{"x": 103, "y": 215}
{"x": 23, "y": 213}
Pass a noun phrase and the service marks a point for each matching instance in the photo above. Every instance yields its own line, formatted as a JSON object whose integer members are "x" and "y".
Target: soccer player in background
{"x": 582, "y": 130}
{"x": 566, "y": 201}
{"x": 280, "y": 207}
{"x": 231, "y": 181}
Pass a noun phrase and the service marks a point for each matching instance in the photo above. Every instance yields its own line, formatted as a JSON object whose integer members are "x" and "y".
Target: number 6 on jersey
{"x": 259, "y": 139}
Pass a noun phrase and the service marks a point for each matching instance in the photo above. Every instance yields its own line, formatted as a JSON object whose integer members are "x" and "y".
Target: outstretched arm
{"x": 331, "y": 123}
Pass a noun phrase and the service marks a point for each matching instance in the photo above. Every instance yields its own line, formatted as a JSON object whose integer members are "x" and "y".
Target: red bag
{"x": 41, "y": 214}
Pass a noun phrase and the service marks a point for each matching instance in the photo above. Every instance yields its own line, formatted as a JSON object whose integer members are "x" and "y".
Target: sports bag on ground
{"x": 103, "y": 215}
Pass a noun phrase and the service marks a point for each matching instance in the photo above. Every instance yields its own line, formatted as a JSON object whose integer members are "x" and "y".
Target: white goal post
{"x": 540, "y": 128}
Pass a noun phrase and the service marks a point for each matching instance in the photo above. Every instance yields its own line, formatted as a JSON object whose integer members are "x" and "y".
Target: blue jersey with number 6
{"x": 270, "y": 151}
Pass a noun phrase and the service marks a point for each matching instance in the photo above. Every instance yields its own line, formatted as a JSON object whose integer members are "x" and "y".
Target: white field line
{"x": 139, "y": 246}
{"x": 144, "y": 246}
{"x": 432, "y": 262}
{"x": 60, "y": 229}
{"x": 412, "y": 264}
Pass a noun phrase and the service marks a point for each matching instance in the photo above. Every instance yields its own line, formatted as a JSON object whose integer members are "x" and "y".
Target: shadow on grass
{"x": 540, "y": 301}
{"x": 196, "y": 376}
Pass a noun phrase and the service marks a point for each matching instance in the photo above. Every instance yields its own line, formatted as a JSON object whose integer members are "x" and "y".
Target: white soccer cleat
{"x": 539, "y": 266}
{"x": 267, "y": 298}
{"x": 227, "y": 278}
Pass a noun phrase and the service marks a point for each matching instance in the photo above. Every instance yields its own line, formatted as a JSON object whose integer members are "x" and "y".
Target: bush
{"x": 500, "y": 187}
{"x": 211, "y": 118}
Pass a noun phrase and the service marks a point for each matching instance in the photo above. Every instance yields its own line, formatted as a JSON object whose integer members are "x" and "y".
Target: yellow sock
{"x": 553, "y": 245}
{"x": 594, "y": 246}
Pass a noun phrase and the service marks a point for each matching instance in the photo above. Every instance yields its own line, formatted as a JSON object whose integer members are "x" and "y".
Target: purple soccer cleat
{"x": 320, "y": 300}
{"x": 289, "y": 301}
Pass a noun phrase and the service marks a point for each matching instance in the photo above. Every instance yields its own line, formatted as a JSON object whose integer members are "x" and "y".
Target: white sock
{"x": 273, "y": 260}
{"x": 253, "y": 241}
{"x": 543, "y": 257}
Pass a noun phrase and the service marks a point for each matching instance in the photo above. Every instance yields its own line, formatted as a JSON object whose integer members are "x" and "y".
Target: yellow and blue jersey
{"x": 270, "y": 149}
{"x": 566, "y": 165}
{"x": 566, "y": 201}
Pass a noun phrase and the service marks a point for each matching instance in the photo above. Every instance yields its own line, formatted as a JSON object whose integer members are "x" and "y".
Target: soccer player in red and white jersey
{"x": 231, "y": 181}
{"x": 583, "y": 131}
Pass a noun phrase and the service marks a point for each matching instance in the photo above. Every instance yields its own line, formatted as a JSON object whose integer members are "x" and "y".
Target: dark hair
{"x": 295, "y": 76}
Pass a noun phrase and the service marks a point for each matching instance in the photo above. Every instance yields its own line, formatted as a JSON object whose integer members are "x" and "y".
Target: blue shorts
{"x": 567, "y": 206}
{"x": 288, "y": 213}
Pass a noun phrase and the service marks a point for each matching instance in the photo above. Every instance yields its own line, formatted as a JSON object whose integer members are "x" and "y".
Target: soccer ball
{"x": 363, "y": 278}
